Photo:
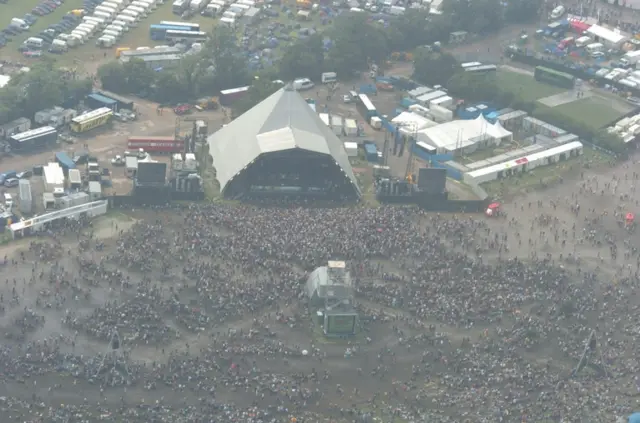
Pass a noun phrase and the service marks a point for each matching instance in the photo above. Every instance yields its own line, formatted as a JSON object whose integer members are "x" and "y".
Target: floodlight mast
{"x": 114, "y": 355}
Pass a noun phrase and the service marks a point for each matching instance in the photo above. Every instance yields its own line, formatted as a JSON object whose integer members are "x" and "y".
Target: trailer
{"x": 26, "y": 202}
{"x": 53, "y": 178}
{"x": 34, "y": 140}
{"x": 97, "y": 101}
{"x": 75, "y": 179}
{"x": 65, "y": 162}
{"x": 351, "y": 128}
{"x": 91, "y": 120}
{"x": 14, "y": 127}
{"x": 158, "y": 145}
{"x": 122, "y": 103}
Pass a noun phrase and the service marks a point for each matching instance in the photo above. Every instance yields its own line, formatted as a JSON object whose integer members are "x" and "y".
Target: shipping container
{"x": 75, "y": 179}
{"x": 336, "y": 125}
{"x": 14, "y": 127}
{"x": 350, "y": 128}
{"x": 121, "y": 102}
{"x": 371, "y": 152}
{"x": 66, "y": 163}
{"x": 24, "y": 191}
{"x": 95, "y": 190}
{"x": 96, "y": 101}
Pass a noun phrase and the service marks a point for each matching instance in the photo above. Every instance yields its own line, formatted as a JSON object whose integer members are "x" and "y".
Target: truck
{"x": 24, "y": 191}
{"x": 197, "y": 5}
{"x": 158, "y": 145}
{"x": 65, "y": 162}
{"x": 75, "y": 179}
{"x": 630, "y": 58}
{"x": 34, "y": 139}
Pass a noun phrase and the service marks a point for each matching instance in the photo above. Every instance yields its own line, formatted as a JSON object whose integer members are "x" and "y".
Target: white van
{"x": 557, "y": 12}
{"x": 594, "y": 47}
{"x": 141, "y": 12}
{"x": 152, "y": 5}
{"x": 8, "y": 201}
{"x": 329, "y": 77}
{"x": 141, "y": 5}
{"x": 99, "y": 21}
{"x": 114, "y": 27}
{"x": 106, "y": 16}
{"x": 228, "y": 15}
{"x": 302, "y": 84}
{"x": 121, "y": 24}
{"x": 105, "y": 41}
{"x": 88, "y": 27}
{"x": 58, "y": 45}
{"x": 114, "y": 34}
{"x": 34, "y": 42}
{"x": 230, "y": 22}
{"x": 129, "y": 20}
{"x": 131, "y": 13}
{"x": 112, "y": 5}
{"x": 19, "y": 24}
{"x": 108, "y": 10}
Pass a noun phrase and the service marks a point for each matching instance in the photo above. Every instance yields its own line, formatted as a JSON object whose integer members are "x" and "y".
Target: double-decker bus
{"x": 366, "y": 107}
{"x": 191, "y": 26}
{"x": 158, "y": 145}
{"x": 554, "y": 77}
{"x": 186, "y": 36}
{"x": 158, "y": 32}
{"x": 93, "y": 119}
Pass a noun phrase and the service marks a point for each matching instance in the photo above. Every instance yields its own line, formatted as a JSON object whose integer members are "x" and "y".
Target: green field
{"x": 595, "y": 112}
{"x": 524, "y": 86}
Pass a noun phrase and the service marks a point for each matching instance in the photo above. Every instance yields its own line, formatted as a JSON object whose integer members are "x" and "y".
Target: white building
{"x": 524, "y": 164}
{"x": 464, "y": 135}
{"x": 410, "y": 123}
{"x": 606, "y": 36}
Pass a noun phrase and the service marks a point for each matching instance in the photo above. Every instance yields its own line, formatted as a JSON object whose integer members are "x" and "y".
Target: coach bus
{"x": 552, "y": 76}
{"x": 158, "y": 32}
{"x": 366, "y": 107}
{"x": 34, "y": 139}
{"x": 191, "y": 26}
{"x": 481, "y": 69}
{"x": 91, "y": 120}
{"x": 186, "y": 36}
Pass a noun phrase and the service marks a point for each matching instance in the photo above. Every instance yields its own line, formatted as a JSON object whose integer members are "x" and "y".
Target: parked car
{"x": 32, "y": 53}
{"x": 24, "y": 175}
{"x": 11, "y": 182}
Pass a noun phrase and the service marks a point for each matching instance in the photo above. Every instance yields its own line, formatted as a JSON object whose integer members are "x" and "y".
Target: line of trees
{"x": 354, "y": 43}
{"x": 43, "y": 87}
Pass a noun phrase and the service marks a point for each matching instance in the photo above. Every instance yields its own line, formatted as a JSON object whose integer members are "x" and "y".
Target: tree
{"x": 304, "y": 58}
{"x": 42, "y": 88}
{"x": 477, "y": 16}
{"x": 434, "y": 68}
{"x": 170, "y": 89}
{"x": 112, "y": 77}
{"x": 523, "y": 11}
{"x": 229, "y": 62}
{"x": 356, "y": 44}
{"x": 139, "y": 78}
{"x": 261, "y": 89}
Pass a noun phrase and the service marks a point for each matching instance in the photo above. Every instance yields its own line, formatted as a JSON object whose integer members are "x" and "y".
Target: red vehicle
{"x": 182, "y": 109}
{"x": 158, "y": 145}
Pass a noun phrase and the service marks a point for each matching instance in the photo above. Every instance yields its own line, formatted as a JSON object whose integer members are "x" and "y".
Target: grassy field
{"x": 524, "y": 86}
{"x": 595, "y": 112}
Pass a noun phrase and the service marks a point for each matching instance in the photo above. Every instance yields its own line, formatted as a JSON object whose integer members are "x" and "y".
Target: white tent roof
{"x": 412, "y": 122}
{"x": 461, "y": 133}
{"x": 609, "y": 35}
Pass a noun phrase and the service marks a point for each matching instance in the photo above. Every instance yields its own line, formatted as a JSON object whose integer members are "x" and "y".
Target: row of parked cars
{"x": 47, "y": 38}
{"x": 20, "y": 25}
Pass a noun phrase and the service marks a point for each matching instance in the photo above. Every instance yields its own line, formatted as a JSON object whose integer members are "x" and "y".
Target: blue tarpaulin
{"x": 634, "y": 418}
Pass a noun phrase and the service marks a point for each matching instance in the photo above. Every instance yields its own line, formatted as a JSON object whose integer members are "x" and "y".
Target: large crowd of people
{"x": 208, "y": 307}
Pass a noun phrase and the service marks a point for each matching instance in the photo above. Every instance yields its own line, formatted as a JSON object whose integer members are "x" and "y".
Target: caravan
{"x": 104, "y": 9}
{"x": 98, "y": 21}
{"x": 129, "y": 20}
{"x": 58, "y": 46}
{"x": 103, "y": 15}
{"x": 114, "y": 27}
{"x": 131, "y": 13}
{"x": 112, "y": 33}
{"x": 122, "y": 24}
{"x": 106, "y": 41}
{"x": 112, "y": 5}
{"x": 141, "y": 12}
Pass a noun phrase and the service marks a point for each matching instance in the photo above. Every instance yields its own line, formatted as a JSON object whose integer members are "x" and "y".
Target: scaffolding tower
{"x": 115, "y": 359}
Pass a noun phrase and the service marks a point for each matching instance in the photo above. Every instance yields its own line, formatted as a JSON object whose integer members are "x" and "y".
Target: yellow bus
{"x": 120, "y": 50}
{"x": 93, "y": 119}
